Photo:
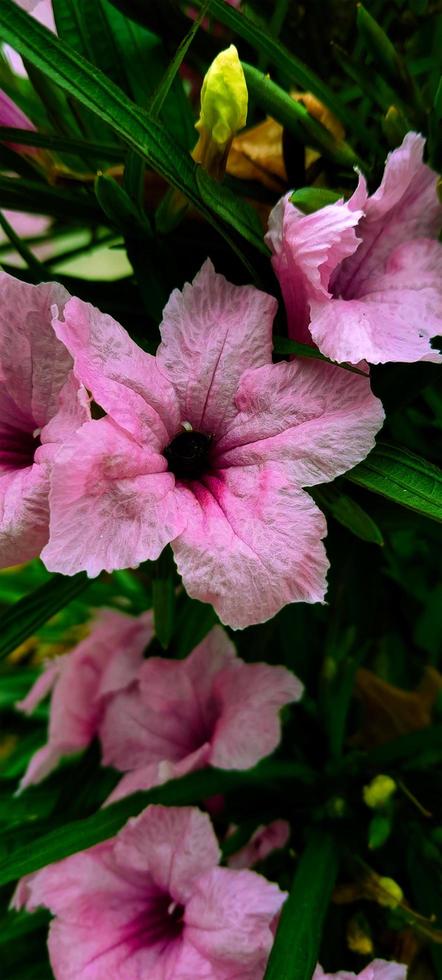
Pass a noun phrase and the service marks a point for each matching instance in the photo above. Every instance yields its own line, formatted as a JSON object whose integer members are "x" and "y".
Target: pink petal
{"x": 168, "y": 716}
{"x": 24, "y": 514}
{"x": 112, "y": 503}
{"x": 263, "y": 842}
{"x": 306, "y": 249}
{"x": 42, "y": 686}
{"x": 252, "y": 544}
{"x": 157, "y": 773}
{"x": 105, "y": 662}
{"x": 249, "y": 727}
{"x": 175, "y": 844}
{"x": 123, "y": 379}
{"x": 394, "y": 316}
{"x": 228, "y": 920}
{"x": 211, "y": 332}
{"x": 33, "y": 364}
{"x": 377, "y": 970}
{"x": 322, "y": 420}
{"x": 404, "y": 207}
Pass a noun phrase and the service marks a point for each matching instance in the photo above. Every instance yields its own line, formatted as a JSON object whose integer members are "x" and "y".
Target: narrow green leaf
{"x": 81, "y": 79}
{"x": 35, "y": 267}
{"x": 119, "y": 209}
{"x": 27, "y": 615}
{"x": 163, "y": 597}
{"x": 295, "y": 117}
{"x": 284, "y": 345}
{"x": 349, "y": 514}
{"x": 163, "y": 89}
{"x": 80, "y": 834}
{"x": 402, "y": 477}
{"x": 61, "y": 144}
{"x": 38, "y": 198}
{"x": 296, "y": 948}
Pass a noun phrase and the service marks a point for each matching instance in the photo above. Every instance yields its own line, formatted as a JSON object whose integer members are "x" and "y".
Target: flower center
{"x": 188, "y": 454}
{"x": 17, "y": 448}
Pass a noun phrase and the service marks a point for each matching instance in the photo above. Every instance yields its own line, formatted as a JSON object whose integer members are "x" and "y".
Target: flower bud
{"x": 379, "y": 791}
{"x": 224, "y": 99}
{"x": 392, "y": 893}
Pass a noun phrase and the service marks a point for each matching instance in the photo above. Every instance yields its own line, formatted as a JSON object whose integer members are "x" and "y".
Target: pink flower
{"x": 209, "y": 709}
{"x": 263, "y": 842}
{"x": 362, "y": 278}
{"x": 82, "y": 683}
{"x": 41, "y": 405}
{"x": 206, "y": 446}
{"x": 377, "y": 970}
{"x": 153, "y": 903}
{"x": 12, "y": 116}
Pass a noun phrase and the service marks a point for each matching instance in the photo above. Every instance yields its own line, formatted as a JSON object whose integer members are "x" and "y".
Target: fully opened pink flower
{"x": 83, "y": 682}
{"x": 41, "y": 404}
{"x": 209, "y": 709}
{"x": 206, "y": 446}
{"x": 377, "y": 970}
{"x": 152, "y": 903}
{"x": 362, "y": 278}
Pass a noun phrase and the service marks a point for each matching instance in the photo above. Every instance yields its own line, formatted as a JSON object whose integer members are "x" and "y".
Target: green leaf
{"x": 379, "y": 830}
{"x": 349, "y": 514}
{"x": 284, "y": 345}
{"x": 61, "y": 144}
{"x": 295, "y": 117}
{"x": 80, "y": 834}
{"x": 163, "y": 597}
{"x": 35, "y": 268}
{"x": 119, "y": 209}
{"x": 310, "y": 199}
{"x": 82, "y": 80}
{"x": 295, "y": 951}
{"x": 27, "y": 615}
{"x": 402, "y": 477}
{"x": 164, "y": 87}
{"x": 38, "y": 198}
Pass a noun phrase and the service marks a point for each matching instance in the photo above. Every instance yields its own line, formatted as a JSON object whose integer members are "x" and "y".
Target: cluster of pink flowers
{"x": 153, "y": 901}
{"x": 209, "y": 446}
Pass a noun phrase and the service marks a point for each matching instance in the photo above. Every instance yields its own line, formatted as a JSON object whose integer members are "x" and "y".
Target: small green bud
{"x": 224, "y": 98}
{"x": 392, "y": 893}
{"x": 379, "y": 791}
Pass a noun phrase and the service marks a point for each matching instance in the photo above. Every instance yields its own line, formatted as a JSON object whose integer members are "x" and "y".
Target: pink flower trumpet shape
{"x": 153, "y": 903}
{"x": 41, "y": 405}
{"x": 209, "y": 709}
{"x": 208, "y": 446}
{"x": 83, "y": 682}
{"x": 362, "y": 278}
{"x": 377, "y": 970}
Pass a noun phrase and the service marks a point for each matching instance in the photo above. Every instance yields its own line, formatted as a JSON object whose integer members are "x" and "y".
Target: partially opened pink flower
{"x": 362, "y": 278}
{"x": 206, "y": 446}
{"x": 152, "y": 903}
{"x": 377, "y": 970}
{"x": 264, "y": 841}
{"x": 82, "y": 683}
{"x": 41, "y": 405}
{"x": 209, "y": 709}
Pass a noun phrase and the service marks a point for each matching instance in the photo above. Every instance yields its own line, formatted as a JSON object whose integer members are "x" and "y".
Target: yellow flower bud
{"x": 224, "y": 98}
{"x": 392, "y": 893}
{"x": 379, "y": 791}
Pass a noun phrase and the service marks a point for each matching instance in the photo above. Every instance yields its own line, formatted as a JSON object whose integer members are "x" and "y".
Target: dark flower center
{"x": 17, "y": 448}
{"x": 188, "y": 454}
